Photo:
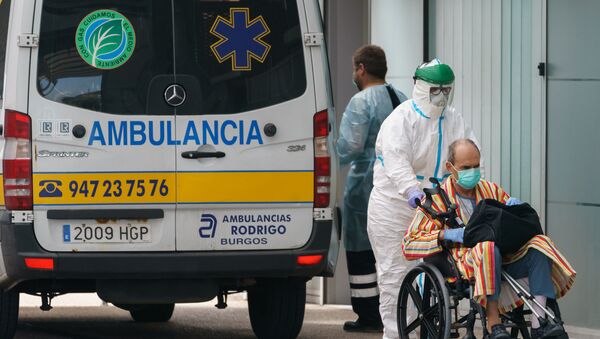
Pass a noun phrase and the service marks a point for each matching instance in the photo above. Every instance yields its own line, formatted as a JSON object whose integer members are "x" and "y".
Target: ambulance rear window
{"x": 218, "y": 43}
{"x": 115, "y": 84}
{"x": 121, "y": 57}
{"x": 4, "y": 13}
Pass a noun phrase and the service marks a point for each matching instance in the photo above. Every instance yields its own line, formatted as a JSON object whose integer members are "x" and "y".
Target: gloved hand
{"x": 414, "y": 195}
{"x": 513, "y": 201}
{"x": 454, "y": 234}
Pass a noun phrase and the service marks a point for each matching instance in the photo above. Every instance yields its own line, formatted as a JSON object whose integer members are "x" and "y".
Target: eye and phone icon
{"x": 50, "y": 189}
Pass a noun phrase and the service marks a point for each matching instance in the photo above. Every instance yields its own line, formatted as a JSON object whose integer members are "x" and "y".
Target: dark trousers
{"x": 534, "y": 265}
{"x": 363, "y": 286}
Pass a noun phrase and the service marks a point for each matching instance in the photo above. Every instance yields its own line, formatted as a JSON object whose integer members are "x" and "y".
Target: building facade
{"x": 526, "y": 82}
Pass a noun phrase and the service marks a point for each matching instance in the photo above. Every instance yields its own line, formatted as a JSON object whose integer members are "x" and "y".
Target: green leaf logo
{"x": 105, "y": 39}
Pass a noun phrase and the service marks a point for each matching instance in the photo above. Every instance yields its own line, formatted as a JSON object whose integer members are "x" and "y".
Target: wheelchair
{"x": 429, "y": 300}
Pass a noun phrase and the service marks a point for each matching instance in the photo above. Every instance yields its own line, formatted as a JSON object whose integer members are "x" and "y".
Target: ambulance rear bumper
{"x": 18, "y": 243}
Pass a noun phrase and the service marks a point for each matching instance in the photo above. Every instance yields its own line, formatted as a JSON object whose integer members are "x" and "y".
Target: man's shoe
{"x": 357, "y": 326}
{"x": 547, "y": 330}
{"x": 499, "y": 332}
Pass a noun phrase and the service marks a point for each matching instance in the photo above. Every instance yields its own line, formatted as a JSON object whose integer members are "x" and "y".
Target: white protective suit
{"x": 411, "y": 147}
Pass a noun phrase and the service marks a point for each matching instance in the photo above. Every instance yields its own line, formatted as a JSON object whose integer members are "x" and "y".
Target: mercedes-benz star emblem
{"x": 175, "y": 95}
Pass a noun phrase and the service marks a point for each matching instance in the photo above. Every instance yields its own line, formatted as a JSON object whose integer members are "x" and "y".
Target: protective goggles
{"x": 438, "y": 90}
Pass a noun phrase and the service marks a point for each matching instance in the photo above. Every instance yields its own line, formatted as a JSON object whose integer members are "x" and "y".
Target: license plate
{"x": 114, "y": 233}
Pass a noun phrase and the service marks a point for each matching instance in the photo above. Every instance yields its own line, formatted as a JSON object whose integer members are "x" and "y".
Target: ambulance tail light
{"x": 322, "y": 173}
{"x": 40, "y": 263}
{"x": 17, "y": 161}
{"x": 308, "y": 260}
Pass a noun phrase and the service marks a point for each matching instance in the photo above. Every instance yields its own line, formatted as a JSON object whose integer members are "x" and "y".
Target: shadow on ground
{"x": 189, "y": 321}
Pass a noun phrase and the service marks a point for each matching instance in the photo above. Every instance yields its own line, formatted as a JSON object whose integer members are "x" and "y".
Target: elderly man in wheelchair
{"x": 497, "y": 280}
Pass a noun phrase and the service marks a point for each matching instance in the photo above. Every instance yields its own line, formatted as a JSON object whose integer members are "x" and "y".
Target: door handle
{"x": 198, "y": 155}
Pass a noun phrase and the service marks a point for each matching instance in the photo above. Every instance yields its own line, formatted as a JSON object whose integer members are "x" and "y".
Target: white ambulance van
{"x": 159, "y": 152}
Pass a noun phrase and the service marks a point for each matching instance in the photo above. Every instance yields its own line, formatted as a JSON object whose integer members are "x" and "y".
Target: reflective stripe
{"x": 418, "y": 110}
{"x": 439, "y": 152}
{"x": 218, "y": 187}
{"x": 363, "y": 279}
{"x": 440, "y": 141}
{"x": 364, "y": 293}
{"x": 1, "y": 193}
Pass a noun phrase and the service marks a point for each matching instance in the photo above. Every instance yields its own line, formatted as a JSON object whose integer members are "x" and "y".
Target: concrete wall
{"x": 347, "y": 29}
{"x": 397, "y": 26}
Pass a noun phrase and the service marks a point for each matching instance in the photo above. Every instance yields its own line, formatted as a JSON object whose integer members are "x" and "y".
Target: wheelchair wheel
{"x": 424, "y": 289}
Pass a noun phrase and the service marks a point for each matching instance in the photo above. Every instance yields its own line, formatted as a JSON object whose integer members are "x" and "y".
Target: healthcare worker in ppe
{"x": 356, "y": 146}
{"x": 410, "y": 149}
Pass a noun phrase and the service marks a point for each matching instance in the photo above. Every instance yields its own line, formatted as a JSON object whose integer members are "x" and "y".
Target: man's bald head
{"x": 463, "y": 154}
{"x": 463, "y": 147}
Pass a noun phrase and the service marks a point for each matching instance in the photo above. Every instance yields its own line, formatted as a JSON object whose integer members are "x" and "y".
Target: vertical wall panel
{"x": 573, "y": 198}
{"x": 496, "y": 83}
{"x": 397, "y": 26}
{"x": 516, "y": 88}
{"x": 464, "y": 85}
{"x": 538, "y": 107}
{"x": 486, "y": 86}
{"x": 526, "y": 101}
{"x": 345, "y": 18}
{"x": 505, "y": 78}
{"x": 476, "y": 70}
{"x": 489, "y": 45}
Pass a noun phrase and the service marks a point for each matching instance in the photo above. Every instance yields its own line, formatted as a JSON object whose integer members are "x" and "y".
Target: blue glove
{"x": 454, "y": 234}
{"x": 513, "y": 201}
{"x": 413, "y": 196}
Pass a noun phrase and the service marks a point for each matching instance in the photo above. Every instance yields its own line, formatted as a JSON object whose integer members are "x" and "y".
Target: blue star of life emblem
{"x": 240, "y": 39}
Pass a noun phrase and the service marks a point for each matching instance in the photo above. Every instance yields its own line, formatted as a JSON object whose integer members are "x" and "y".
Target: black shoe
{"x": 357, "y": 326}
{"x": 499, "y": 332}
{"x": 547, "y": 330}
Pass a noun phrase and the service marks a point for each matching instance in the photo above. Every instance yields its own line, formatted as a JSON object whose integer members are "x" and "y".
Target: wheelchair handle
{"x": 448, "y": 217}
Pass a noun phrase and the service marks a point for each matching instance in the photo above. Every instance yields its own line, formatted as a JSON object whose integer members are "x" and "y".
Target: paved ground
{"x": 83, "y": 316}
{"x": 91, "y": 320}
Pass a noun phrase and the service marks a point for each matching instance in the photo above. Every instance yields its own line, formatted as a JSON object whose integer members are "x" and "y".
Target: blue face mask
{"x": 469, "y": 178}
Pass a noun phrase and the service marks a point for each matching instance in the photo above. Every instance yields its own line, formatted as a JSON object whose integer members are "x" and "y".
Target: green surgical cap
{"x": 440, "y": 74}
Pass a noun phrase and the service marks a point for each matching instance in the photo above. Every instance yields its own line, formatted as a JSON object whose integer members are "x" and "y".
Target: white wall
{"x": 347, "y": 30}
{"x": 397, "y": 26}
{"x": 494, "y": 48}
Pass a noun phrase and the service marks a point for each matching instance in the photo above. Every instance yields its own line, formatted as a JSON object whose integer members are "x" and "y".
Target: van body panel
{"x": 78, "y": 268}
{"x": 260, "y": 194}
{"x": 324, "y": 101}
{"x": 130, "y": 185}
{"x": 17, "y": 58}
{"x": 114, "y": 165}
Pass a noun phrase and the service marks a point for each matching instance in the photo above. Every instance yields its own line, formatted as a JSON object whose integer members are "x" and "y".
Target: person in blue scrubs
{"x": 365, "y": 112}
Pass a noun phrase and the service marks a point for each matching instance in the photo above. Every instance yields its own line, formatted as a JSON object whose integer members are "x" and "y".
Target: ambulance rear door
{"x": 244, "y": 103}
{"x": 103, "y": 137}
